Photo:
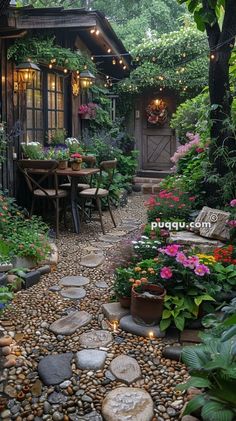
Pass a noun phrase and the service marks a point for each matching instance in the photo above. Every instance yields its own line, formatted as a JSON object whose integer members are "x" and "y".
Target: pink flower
{"x": 172, "y": 249}
{"x": 166, "y": 273}
{"x": 232, "y": 223}
{"x": 201, "y": 270}
{"x": 199, "y": 150}
{"x": 180, "y": 257}
{"x": 233, "y": 203}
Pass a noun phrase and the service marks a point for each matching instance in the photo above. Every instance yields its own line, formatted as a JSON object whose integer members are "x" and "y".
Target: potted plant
{"x": 88, "y": 111}
{"x": 147, "y": 302}
{"x": 73, "y": 145}
{"x": 123, "y": 286}
{"x": 57, "y": 137}
{"x": 76, "y": 161}
{"x": 62, "y": 156}
{"x": 32, "y": 150}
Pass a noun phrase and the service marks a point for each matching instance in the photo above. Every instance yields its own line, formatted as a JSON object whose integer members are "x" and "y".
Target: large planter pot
{"x": 125, "y": 302}
{"x": 76, "y": 166}
{"x": 147, "y": 307}
{"x": 62, "y": 165}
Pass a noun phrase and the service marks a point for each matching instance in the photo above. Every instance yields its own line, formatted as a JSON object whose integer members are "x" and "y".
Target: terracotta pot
{"x": 76, "y": 166}
{"x": 147, "y": 310}
{"x": 62, "y": 165}
{"x": 125, "y": 302}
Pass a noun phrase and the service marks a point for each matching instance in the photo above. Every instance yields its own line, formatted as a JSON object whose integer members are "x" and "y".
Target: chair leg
{"x": 57, "y": 217}
{"x": 98, "y": 201}
{"x": 109, "y": 207}
{"x": 32, "y": 207}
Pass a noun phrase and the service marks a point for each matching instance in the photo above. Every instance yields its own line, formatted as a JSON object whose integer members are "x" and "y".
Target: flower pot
{"x": 76, "y": 166}
{"x": 147, "y": 306}
{"x": 62, "y": 165}
{"x": 125, "y": 302}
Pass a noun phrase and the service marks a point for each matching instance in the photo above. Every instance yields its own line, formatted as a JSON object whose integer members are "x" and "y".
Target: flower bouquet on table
{"x": 76, "y": 161}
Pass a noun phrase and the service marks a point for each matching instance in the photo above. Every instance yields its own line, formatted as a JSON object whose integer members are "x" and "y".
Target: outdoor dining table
{"x": 74, "y": 176}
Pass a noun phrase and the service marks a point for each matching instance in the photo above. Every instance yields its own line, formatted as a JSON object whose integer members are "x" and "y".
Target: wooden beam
{"x": 52, "y": 21}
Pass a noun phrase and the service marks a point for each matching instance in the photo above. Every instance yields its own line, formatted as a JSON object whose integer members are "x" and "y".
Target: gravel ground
{"x": 33, "y": 310}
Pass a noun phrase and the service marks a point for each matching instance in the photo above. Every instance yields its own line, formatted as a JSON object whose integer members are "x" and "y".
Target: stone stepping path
{"x": 92, "y": 416}
{"x": 101, "y": 284}
{"x": 73, "y": 293}
{"x": 128, "y": 325}
{"x": 55, "y": 288}
{"x": 92, "y": 260}
{"x": 57, "y": 398}
{"x": 74, "y": 281}
{"x": 91, "y": 359}
{"x": 69, "y": 324}
{"x": 125, "y": 368}
{"x": 54, "y": 369}
{"x": 128, "y": 403}
{"x": 117, "y": 233}
{"x": 95, "y": 339}
{"x": 110, "y": 238}
{"x": 114, "y": 311}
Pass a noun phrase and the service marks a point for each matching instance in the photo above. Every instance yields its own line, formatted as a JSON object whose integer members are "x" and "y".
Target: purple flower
{"x": 201, "y": 270}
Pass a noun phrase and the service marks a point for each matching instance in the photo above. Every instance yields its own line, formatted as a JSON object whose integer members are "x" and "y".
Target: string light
{"x": 92, "y": 31}
{"x": 109, "y": 50}
{"x": 114, "y": 61}
{"x": 50, "y": 65}
{"x": 65, "y": 70}
{"x": 121, "y": 61}
{"x": 212, "y": 56}
{"x": 97, "y": 32}
{"x": 92, "y": 58}
{"x": 124, "y": 67}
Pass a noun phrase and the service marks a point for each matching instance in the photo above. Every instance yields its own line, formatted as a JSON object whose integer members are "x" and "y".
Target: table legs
{"x": 74, "y": 204}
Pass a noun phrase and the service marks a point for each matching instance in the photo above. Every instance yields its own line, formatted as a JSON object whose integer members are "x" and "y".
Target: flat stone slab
{"x": 54, "y": 369}
{"x": 114, "y": 311}
{"x": 92, "y": 260}
{"x": 73, "y": 293}
{"x": 74, "y": 281}
{"x": 69, "y": 324}
{"x": 92, "y": 416}
{"x": 90, "y": 359}
{"x": 55, "y": 288}
{"x": 117, "y": 233}
{"x": 95, "y": 339}
{"x": 192, "y": 239}
{"x": 125, "y": 368}
{"x": 128, "y": 325}
{"x": 110, "y": 238}
{"x": 128, "y": 404}
{"x": 101, "y": 284}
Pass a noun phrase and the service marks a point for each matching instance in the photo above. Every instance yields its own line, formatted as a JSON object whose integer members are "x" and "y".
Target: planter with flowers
{"x": 73, "y": 145}
{"x": 123, "y": 286}
{"x": 76, "y": 161}
{"x": 88, "y": 111}
{"x": 62, "y": 156}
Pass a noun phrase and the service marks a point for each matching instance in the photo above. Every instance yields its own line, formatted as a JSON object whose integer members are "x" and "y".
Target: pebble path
{"x": 66, "y": 363}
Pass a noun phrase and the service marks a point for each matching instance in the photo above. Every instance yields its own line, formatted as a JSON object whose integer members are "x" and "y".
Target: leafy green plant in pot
{"x": 123, "y": 285}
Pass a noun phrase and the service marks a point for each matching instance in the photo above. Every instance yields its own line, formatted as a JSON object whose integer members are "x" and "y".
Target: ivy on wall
{"x": 42, "y": 50}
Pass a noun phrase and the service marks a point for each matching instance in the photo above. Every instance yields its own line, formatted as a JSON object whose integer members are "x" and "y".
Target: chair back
{"x": 109, "y": 168}
{"x": 90, "y": 160}
{"x": 37, "y": 171}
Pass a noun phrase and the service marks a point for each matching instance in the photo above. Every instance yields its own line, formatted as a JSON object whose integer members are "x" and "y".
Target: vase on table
{"x": 76, "y": 165}
{"x": 62, "y": 165}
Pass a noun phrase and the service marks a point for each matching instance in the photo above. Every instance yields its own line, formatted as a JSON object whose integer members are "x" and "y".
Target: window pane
{"x": 51, "y": 100}
{"x": 38, "y": 99}
{"x": 60, "y": 101}
{"x": 60, "y": 120}
{"x": 29, "y": 135}
{"x": 29, "y": 98}
{"x": 37, "y": 80}
{"x": 51, "y": 120}
{"x": 39, "y": 136}
{"x": 51, "y": 82}
{"x": 29, "y": 119}
{"x": 60, "y": 81}
{"x": 38, "y": 119}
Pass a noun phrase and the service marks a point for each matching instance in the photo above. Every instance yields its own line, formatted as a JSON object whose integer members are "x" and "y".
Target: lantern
{"x": 86, "y": 79}
{"x": 26, "y": 73}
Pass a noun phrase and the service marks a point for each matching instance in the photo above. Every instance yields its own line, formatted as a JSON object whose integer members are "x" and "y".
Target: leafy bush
{"x": 6, "y": 296}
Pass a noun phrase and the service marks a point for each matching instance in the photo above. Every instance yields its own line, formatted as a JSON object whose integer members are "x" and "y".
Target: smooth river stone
{"x": 129, "y": 325}
{"x": 73, "y": 293}
{"x": 109, "y": 238}
{"x": 125, "y": 368}
{"x": 95, "y": 339}
{"x": 90, "y": 359}
{"x": 92, "y": 260}
{"x": 126, "y": 403}
{"x": 54, "y": 369}
{"x": 101, "y": 284}
{"x": 74, "y": 281}
{"x": 69, "y": 324}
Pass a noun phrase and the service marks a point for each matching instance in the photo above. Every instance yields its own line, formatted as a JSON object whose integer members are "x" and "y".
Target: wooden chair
{"x": 86, "y": 182}
{"x": 98, "y": 193}
{"x": 36, "y": 172}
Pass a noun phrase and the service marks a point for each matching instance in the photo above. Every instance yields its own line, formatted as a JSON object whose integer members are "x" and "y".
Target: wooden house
{"x": 53, "y": 98}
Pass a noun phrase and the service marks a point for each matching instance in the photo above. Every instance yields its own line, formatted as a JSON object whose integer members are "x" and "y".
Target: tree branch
{"x": 213, "y": 32}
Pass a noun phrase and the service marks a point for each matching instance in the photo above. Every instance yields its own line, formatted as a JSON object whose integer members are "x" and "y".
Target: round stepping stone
{"x": 128, "y": 403}
{"x": 109, "y": 238}
{"x": 92, "y": 260}
{"x": 125, "y": 368}
{"x": 117, "y": 233}
{"x": 54, "y": 369}
{"x": 55, "y": 288}
{"x": 73, "y": 293}
{"x": 101, "y": 284}
{"x": 92, "y": 416}
{"x": 95, "y": 339}
{"x": 69, "y": 324}
{"x": 90, "y": 359}
{"x": 128, "y": 325}
{"x": 74, "y": 281}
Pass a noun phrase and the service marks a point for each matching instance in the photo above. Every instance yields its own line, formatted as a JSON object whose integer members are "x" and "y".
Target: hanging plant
{"x": 42, "y": 50}
{"x": 157, "y": 112}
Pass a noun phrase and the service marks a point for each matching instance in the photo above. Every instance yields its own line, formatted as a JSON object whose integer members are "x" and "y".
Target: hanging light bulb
{"x": 124, "y": 67}
{"x": 97, "y": 32}
{"x": 121, "y": 61}
{"x": 50, "y": 65}
{"x": 65, "y": 70}
{"x": 109, "y": 50}
{"x": 114, "y": 61}
{"x": 92, "y": 58}
{"x": 92, "y": 31}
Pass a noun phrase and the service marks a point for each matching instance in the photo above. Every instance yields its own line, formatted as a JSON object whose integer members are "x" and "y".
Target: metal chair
{"x": 36, "y": 172}
{"x": 98, "y": 193}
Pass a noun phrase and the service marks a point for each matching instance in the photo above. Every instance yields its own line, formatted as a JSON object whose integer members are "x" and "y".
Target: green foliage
{"x": 122, "y": 285}
{"x": 176, "y": 61}
{"x": 208, "y": 12}
{"x": 177, "y": 309}
{"x": 192, "y": 116}
{"x": 3, "y": 143}
{"x": 43, "y": 50}
{"x": 6, "y": 296}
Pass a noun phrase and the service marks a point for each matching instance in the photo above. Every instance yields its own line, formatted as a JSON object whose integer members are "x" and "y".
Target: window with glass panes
{"x": 55, "y": 102}
{"x": 34, "y": 110}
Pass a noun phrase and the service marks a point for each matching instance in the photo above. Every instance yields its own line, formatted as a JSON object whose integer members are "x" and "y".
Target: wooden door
{"x": 158, "y": 147}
